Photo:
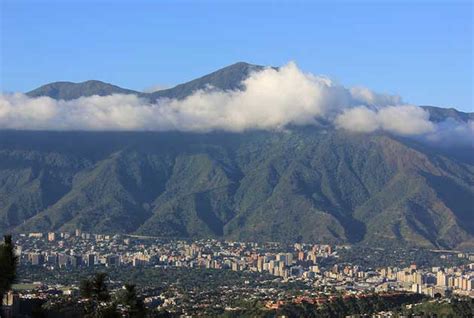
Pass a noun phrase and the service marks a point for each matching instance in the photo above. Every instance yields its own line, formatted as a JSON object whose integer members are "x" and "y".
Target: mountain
{"x": 306, "y": 184}
{"x": 69, "y": 90}
{"x": 313, "y": 184}
{"x": 227, "y": 78}
{"x": 438, "y": 114}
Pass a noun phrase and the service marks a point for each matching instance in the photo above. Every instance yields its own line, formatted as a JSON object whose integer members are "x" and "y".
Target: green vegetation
{"x": 419, "y": 306}
{"x": 340, "y": 307}
{"x": 8, "y": 264}
{"x": 95, "y": 301}
{"x": 156, "y": 278}
{"x": 442, "y": 308}
{"x": 17, "y": 287}
{"x": 306, "y": 184}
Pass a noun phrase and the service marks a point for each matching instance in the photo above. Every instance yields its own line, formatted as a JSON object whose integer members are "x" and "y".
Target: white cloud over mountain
{"x": 400, "y": 119}
{"x": 271, "y": 99}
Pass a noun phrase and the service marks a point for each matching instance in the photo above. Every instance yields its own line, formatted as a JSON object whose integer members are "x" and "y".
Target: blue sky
{"x": 419, "y": 50}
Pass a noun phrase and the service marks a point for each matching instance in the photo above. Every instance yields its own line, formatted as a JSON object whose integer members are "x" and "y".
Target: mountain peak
{"x": 241, "y": 63}
{"x": 71, "y": 90}
{"x": 226, "y": 78}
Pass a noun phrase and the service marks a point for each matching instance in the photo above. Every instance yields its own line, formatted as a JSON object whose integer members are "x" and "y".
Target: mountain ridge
{"x": 70, "y": 90}
{"x": 226, "y": 78}
{"x": 307, "y": 183}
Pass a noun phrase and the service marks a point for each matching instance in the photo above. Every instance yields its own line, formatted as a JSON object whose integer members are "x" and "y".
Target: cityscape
{"x": 320, "y": 270}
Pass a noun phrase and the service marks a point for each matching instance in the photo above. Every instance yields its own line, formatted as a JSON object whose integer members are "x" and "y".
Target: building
{"x": 91, "y": 259}
{"x": 76, "y": 261}
{"x": 441, "y": 279}
{"x": 113, "y": 260}
{"x": 51, "y": 236}
{"x": 63, "y": 260}
{"x": 36, "y": 258}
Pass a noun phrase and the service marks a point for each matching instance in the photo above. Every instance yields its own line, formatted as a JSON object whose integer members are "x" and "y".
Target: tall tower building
{"x": 441, "y": 279}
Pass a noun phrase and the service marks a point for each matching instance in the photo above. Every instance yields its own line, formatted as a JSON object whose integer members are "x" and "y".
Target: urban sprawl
{"x": 286, "y": 264}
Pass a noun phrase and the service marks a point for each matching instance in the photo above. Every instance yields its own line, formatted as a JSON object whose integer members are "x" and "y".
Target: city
{"x": 310, "y": 273}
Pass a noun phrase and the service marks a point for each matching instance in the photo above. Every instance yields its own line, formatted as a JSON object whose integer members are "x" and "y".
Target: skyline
{"x": 429, "y": 63}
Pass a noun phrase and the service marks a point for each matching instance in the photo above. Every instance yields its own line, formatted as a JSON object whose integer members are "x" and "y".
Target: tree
{"x": 99, "y": 287}
{"x": 8, "y": 264}
{"x": 128, "y": 297}
{"x": 86, "y": 289}
{"x": 95, "y": 290}
{"x": 109, "y": 311}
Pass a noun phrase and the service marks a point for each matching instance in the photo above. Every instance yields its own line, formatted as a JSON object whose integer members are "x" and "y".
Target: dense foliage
{"x": 442, "y": 308}
{"x": 8, "y": 264}
{"x": 301, "y": 185}
{"x": 95, "y": 301}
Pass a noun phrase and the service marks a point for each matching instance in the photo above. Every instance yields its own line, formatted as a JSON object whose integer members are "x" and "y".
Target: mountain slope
{"x": 438, "y": 114}
{"x": 304, "y": 184}
{"x": 227, "y": 78}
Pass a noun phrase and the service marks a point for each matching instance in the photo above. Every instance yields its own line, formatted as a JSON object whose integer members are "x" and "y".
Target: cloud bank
{"x": 403, "y": 120}
{"x": 271, "y": 99}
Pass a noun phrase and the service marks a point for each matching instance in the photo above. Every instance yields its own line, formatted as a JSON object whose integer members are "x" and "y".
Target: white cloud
{"x": 364, "y": 96}
{"x": 271, "y": 99}
{"x": 401, "y": 119}
{"x": 155, "y": 88}
{"x": 405, "y": 120}
{"x": 453, "y": 132}
{"x": 358, "y": 119}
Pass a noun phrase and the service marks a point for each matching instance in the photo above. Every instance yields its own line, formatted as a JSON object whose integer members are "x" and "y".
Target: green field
{"x": 24, "y": 286}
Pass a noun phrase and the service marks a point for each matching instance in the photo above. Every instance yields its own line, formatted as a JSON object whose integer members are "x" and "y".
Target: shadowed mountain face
{"x": 303, "y": 184}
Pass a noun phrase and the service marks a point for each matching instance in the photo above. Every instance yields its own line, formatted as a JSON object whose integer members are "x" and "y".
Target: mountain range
{"x": 307, "y": 183}
{"x": 228, "y": 78}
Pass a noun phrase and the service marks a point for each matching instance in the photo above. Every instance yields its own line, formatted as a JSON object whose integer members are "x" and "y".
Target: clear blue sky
{"x": 420, "y": 50}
